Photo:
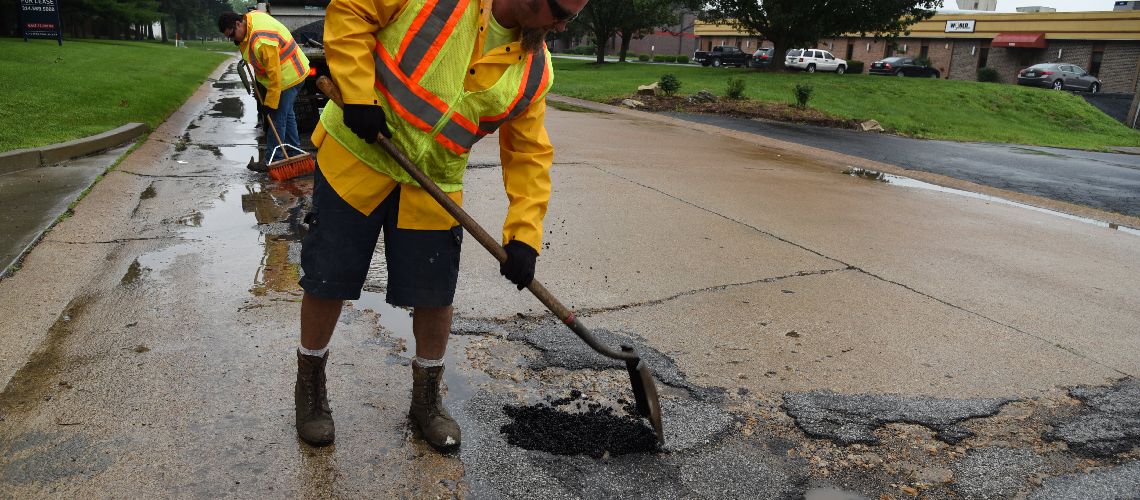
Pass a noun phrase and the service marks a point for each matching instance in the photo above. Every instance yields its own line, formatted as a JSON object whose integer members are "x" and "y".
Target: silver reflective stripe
{"x": 533, "y": 82}
{"x": 459, "y": 135}
{"x": 426, "y": 36}
{"x": 404, "y": 96}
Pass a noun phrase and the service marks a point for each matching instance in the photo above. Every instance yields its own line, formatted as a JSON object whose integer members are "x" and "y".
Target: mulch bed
{"x": 743, "y": 108}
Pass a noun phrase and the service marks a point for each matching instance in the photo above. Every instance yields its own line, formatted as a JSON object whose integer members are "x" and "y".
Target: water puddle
{"x": 238, "y": 154}
{"x": 1027, "y": 151}
{"x": 229, "y": 107}
{"x": 908, "y": 182}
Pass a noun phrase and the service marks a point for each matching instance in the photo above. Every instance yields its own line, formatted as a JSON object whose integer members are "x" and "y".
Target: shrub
{"x": 925, "y": 61}
{"x": 987, "y": 74}
{"x": 735, "y": 89}
{"x": 802, "y": 93}
{"x": 669, "y": 83}
{"x": 583, "y": 50}
{"x": 643, "y": 57}
{"x": 683, "y": 59}
{"x": 670, "y": 58}
{"x": 658, "y": 58}
{"x": 855, "y": 67}
{"x": 629, "y": 55}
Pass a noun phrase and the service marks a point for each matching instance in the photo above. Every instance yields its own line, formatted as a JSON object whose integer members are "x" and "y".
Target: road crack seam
{"x": 122, "y": 240}
{"x": 873, "y": 275}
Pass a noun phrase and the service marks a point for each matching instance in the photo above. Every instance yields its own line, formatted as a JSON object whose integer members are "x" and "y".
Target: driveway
{"x": 1105, "y": 181}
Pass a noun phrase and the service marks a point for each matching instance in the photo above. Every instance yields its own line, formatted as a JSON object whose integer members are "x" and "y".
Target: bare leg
{"x": 431, "y": 326}
{"x": 318, "y": 319}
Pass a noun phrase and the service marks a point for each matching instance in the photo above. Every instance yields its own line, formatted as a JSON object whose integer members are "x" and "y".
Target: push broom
{"x": 644, "y": 387}
{"x": 300, "y": 163}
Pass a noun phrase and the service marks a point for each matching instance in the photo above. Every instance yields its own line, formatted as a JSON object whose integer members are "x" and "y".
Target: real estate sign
{"x": 40, "y": 19}
{"x": 960, "y": 26}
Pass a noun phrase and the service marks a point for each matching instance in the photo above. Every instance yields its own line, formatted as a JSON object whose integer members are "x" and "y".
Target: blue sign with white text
{"x": 40, "y": 19}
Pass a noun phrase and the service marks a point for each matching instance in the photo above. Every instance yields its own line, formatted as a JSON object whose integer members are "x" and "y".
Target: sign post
{"x": 40, "y": 19}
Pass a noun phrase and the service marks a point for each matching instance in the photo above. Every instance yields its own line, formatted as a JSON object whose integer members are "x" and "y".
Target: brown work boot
{"x": 439, "y": 429}
{"x": 314, "y": 418}
{"x": 257, "y": 166}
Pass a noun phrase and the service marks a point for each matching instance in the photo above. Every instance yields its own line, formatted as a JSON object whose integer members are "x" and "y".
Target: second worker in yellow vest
{"x": 278, "y": 64}
{"x": 435, "y": 76}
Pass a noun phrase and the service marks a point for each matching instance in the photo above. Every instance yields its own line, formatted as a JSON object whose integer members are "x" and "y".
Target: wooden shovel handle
{"x": 330, "y": 89}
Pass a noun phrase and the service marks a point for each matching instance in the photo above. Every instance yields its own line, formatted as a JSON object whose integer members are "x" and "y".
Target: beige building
{"x": 1106, "y": 44}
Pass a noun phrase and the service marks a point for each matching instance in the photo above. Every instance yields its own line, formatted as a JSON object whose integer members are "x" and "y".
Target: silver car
{"x": 1058, "y": 76}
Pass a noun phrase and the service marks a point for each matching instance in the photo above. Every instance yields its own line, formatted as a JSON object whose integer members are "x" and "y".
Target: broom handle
{"x": 284, "y": 151}
{"x": 540, "y": 292}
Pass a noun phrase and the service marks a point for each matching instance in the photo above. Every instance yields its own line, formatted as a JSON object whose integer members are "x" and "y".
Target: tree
{"x": 601, "y": 17}
{"x": 801, "y": 23}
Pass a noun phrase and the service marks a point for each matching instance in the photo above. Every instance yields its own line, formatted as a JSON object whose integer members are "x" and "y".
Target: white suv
{"x": 811, "y": 60}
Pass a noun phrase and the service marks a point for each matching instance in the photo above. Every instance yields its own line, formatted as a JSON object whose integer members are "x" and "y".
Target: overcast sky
{"x": 1060, "y": 5}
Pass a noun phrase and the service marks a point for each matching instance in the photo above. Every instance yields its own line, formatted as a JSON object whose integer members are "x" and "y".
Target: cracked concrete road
{"x": 816, "y": 335}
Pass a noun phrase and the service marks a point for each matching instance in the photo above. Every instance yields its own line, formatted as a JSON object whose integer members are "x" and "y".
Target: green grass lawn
{"x": 54, "y": 94}
{"x": 917, "y": 107}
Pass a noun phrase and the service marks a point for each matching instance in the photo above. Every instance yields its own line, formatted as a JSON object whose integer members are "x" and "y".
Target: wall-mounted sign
{"x": 40, "y": 19}
{"x": 958, "y": 26}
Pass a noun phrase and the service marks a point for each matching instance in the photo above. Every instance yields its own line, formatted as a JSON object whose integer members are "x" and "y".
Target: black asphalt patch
{"x": 995, "y": 472}
{"x": 596, "y": 432}
{"x": 730, "y": 466}
{"x": 1117, "y": 483}
{"x": 852, "y": 418}
{"x": 1109, "y": 424}
{"x": 561, "y": 347}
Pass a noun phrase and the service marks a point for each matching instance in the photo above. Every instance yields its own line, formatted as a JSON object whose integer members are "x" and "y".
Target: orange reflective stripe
{"x": 425, "y": 63}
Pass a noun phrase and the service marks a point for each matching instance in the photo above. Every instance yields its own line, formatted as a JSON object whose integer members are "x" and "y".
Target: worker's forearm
{"x": 269, "y": 58}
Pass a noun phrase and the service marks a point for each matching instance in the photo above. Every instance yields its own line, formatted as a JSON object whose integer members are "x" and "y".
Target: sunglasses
{"x": 560, "y": 14}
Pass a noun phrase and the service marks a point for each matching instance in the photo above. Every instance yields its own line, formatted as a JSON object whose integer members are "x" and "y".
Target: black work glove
{"x": 366, "y": 121}
{"x": 519, "y": 266}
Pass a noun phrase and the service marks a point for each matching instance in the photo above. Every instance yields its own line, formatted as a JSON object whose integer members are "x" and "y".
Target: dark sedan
{"x": 761, "y": 58}
{"x": 903, "y": 66}
{"x": 1058, "y": 76}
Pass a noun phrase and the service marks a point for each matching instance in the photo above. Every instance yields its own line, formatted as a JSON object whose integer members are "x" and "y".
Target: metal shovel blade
{"x": 645, "y": 392}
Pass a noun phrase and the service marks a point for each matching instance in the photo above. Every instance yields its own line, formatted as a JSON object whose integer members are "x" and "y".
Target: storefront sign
{"x": 40, "y": 19}
{"x": 957, "y": 26}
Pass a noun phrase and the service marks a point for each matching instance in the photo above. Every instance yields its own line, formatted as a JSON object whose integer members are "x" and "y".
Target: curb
{"x": 22, "y": 159}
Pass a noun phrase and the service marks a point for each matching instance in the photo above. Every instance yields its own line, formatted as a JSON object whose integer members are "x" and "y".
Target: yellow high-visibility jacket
{"x": 424, "y": 62}
{"x": 270, "y": 50}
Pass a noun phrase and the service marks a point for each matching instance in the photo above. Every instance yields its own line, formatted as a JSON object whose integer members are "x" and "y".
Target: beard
{"x": 532, "y": 39}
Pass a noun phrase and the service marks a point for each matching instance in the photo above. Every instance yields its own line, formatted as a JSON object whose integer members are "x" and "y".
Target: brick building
{"x": 1106, "y": 44}
{"x": 675, "y": 41}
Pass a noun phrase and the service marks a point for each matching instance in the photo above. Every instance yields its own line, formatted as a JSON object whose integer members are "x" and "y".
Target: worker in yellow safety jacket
{"x": 435, "y": 76}
{"x": 279, "y": 65}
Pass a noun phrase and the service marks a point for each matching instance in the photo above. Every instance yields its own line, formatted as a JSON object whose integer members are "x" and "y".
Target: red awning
{"x": 1035, "y": 40}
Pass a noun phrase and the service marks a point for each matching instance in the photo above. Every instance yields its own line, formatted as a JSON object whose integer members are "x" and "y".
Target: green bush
{"x": 629, "y": 55}
{"x": 670, "y": 58}
{"x": 803, "y": 92}
{"x": 669, "y": 83}
{"x": 925, "y": 61}
{"x": 643, "y": 57}
{"x": 987, "y": 74}
{"x": 855, "y": 67}
{"x": 582, "y": 50}
{"x": 659, "y": 58}
{"x": 683, "y": 59}
{"x": 735, "y": 89}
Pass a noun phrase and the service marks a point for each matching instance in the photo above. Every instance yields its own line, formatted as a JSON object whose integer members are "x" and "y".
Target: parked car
{"x": 903, "y": 66}
{"x": 811, "y": 60}
{"x": 722, "y": 55}
{"x": 762, "y": 58}
{"x": 1058, "y": 76}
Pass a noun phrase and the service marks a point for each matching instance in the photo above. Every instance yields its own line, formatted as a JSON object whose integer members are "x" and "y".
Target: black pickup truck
{"x": 722, "y": 55}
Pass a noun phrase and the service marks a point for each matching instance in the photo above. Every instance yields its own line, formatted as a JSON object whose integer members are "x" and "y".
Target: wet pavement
{"x": 1105, "y": 181}
{"x": 816, "y": 335}
{"x": 32, "y": 199}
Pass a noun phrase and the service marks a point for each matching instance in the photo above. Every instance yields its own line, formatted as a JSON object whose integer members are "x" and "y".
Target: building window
{"x": 889, "y": 52}
{"x": 1096, "y": 58}
{"x": 983, "y": 55}
{"x": 1025, "y": 58}
{"x": 850, "y": 50}
{"x": 925, "y": 52}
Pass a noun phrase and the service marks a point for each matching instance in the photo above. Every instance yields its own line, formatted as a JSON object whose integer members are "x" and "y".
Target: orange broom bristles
{"x": 292, "y": 167}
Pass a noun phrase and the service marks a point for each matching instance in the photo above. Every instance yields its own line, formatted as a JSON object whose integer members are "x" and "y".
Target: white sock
{"x": 319, "y": 353}
{"x": 428, "y": 363}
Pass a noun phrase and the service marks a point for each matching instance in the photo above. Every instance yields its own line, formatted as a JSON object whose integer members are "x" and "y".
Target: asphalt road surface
{"x": 1106, "y": 181}
{"x": 815, "y": 335}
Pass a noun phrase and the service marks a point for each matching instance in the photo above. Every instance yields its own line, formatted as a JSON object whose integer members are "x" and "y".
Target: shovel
{"x": 644, "y": 388}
